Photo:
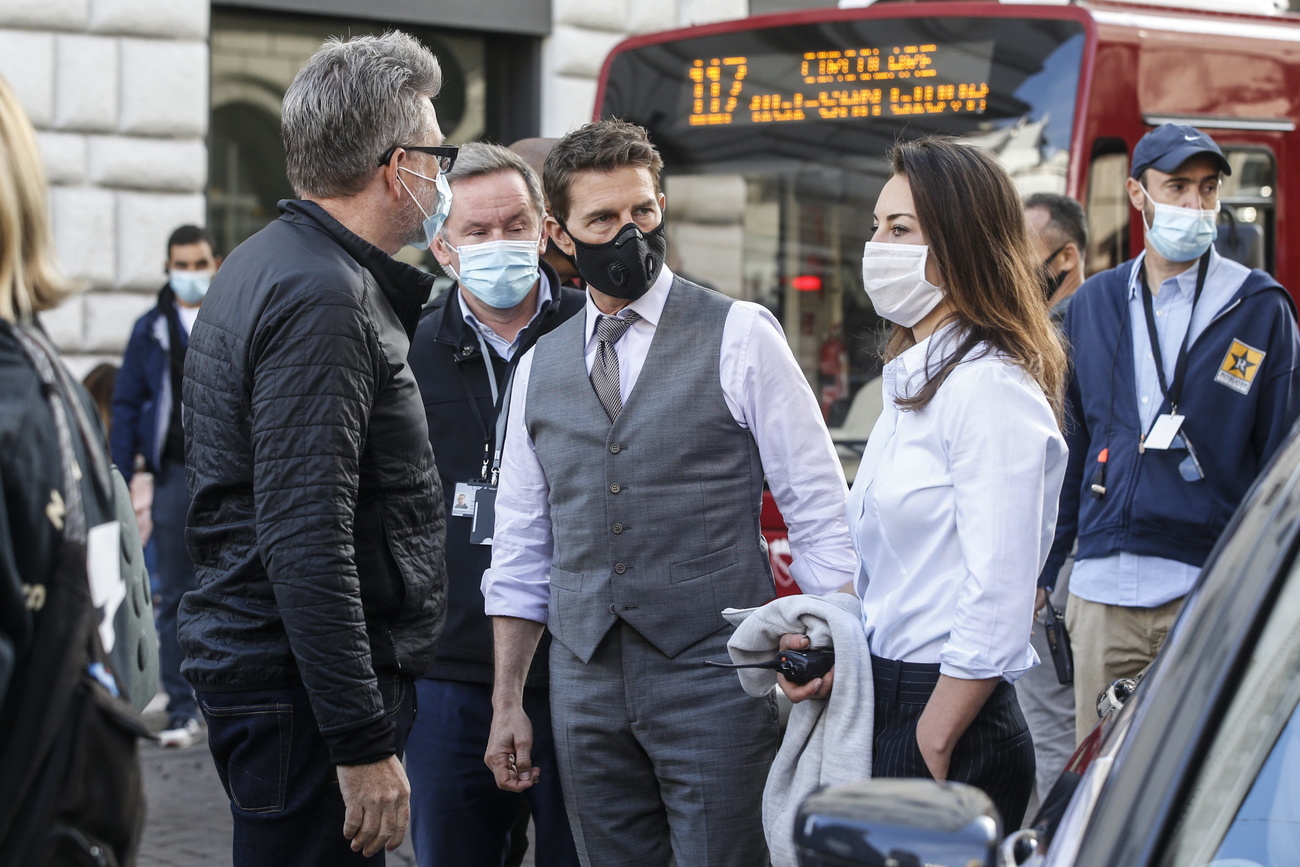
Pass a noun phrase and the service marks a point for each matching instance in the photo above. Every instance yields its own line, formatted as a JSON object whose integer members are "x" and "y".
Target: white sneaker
{"x": 183, "y": 733}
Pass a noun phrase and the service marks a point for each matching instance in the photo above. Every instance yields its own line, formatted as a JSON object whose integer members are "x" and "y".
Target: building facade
{"x": 155, "y": 113}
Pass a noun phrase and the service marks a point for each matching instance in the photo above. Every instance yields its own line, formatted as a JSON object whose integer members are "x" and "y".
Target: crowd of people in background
{"x": 492, "y": 532}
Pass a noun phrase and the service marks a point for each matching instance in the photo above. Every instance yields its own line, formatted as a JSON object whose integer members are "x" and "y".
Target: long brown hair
{"x": 974, "y": 224}
{"x": 29, "y": 279}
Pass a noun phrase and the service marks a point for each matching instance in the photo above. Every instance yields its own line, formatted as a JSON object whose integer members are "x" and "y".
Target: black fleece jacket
{"x": 317, "y": 521}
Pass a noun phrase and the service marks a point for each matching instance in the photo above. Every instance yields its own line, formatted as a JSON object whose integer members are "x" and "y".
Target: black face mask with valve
{"x": 625, "y": 267}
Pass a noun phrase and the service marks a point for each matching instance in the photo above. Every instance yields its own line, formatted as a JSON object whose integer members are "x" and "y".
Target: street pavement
{"x": 188, "y": 816}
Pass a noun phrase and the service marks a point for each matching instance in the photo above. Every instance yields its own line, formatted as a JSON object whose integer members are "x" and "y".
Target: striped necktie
{"x": 604, "y": 373}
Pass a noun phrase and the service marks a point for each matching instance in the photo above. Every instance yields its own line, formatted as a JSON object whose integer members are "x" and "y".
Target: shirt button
{"x": 1144, "y": 400}
{"x": 615, "y": 448}
{"x": 615, "y": 488}
{"x": 620, "y": 568}
{"x": 617, "y": 528}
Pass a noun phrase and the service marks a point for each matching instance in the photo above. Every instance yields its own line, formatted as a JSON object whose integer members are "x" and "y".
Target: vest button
{"x": 611, "y": 608}
{"x": 617, "y": 528}
{"x": 620, "y": 568}
{"x": 615, "y": 448}
{"x": 615, "y": 488}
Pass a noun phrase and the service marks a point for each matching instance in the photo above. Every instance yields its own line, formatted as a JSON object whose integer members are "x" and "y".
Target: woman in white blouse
{"x": 954, "y": 505}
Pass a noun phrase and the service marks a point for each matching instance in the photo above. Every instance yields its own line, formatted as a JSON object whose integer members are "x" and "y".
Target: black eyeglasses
{"x": 445, "y": 155}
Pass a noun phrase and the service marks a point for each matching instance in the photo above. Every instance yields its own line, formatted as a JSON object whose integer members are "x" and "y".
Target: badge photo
{"x": 1239, "y": 367}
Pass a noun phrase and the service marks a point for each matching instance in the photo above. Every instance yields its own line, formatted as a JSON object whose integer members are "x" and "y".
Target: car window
{"x": 1266, "y": 830}
{"x": 1244, "y": 807}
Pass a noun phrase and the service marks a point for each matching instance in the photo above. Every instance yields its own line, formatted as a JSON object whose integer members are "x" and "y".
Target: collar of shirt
{"x": 649, "y": 306}
{"x": 1177, "y": 284}
{"x": 506, "y": 348}
{"x": 928, "y": 354}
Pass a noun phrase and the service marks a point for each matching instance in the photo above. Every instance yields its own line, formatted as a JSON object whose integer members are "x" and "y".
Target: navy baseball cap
{"x": 1170, "y": 145}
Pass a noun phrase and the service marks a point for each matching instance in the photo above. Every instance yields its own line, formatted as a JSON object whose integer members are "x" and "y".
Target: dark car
{"x": 1199, "y": 768}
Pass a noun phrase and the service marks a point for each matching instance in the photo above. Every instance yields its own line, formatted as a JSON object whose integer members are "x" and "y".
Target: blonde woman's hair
{"x": 29, "y": 279}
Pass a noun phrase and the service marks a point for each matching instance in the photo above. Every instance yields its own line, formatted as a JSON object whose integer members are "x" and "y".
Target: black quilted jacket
{"x": 317, "y": 519}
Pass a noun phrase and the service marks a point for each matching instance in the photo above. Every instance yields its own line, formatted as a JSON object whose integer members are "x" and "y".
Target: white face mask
{"x": 894, "y": 277}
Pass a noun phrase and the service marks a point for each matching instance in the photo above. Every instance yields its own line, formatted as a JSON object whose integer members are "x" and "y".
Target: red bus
{"x": 774, "y": 131}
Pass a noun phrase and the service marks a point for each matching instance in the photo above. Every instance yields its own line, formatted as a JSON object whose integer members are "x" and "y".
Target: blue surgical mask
{"x": 434, "y": 219}
{"x": 499, "y": 273}
{"x": 1180, "y": 234}
{"x": 190, "y": 286}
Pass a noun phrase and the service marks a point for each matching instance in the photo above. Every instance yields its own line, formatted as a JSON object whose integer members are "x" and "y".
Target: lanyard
{"x": 1172, "y": 391}
{"x": 491, "y": 457}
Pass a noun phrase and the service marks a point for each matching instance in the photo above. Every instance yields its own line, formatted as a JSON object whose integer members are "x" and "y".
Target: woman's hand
{"x": 933, "y": 741}
{"x": 952, "y": 707}
{"x": 818, "y": 687}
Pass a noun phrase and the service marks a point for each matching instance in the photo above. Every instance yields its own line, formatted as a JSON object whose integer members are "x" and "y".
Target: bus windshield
{"x": 774, "y": 142}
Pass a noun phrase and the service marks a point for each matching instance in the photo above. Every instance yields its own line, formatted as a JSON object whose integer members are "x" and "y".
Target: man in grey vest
{"x": 628, "y": 517}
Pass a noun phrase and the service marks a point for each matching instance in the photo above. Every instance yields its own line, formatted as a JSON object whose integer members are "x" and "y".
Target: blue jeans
{"x": 171, "y": 502}
{"x": 277, "y": 772}
{"x": 458, "y": 815}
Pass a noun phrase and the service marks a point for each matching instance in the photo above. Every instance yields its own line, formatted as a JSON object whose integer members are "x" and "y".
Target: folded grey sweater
{"x": 827, "y": 741}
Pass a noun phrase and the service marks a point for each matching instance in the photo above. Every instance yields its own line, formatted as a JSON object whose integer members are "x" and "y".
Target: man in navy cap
{"x": 1184, "y": 383}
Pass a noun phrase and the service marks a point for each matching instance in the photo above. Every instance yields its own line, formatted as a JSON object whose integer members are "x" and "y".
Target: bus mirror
{"x": 902, "y": 822}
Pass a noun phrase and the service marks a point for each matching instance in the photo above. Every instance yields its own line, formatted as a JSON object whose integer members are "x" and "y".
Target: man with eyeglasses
{"x": 317, "y": 520}
{"x": 1183, "y": 385}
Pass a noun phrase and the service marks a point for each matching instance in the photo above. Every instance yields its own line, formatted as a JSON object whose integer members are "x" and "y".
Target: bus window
{"x": 1107, "y": 208}
{"x": 1246, "y": 221}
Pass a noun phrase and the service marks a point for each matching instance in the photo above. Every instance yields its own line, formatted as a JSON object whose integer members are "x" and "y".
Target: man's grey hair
{"x": 480, "y": 158}
{"x": 351, "y": 102}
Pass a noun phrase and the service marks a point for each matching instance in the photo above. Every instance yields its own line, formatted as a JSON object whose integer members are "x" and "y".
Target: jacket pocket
{"x": 688, "y": 570}
{"x": 1166, "y": 504}
{"x": 378, "y": 573}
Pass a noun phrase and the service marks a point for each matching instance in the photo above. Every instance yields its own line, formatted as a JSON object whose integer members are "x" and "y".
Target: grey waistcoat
{"x": 655, "y": 518}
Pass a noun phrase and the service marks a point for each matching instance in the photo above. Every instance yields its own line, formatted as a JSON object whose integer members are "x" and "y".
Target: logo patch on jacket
{"x": 1239, "y": 367}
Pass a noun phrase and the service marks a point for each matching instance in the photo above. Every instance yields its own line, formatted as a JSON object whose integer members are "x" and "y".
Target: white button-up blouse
{"x": 953, "y": 512}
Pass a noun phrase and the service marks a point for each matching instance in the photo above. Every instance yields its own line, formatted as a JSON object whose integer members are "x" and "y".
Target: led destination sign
{"x": 829, "y": 85}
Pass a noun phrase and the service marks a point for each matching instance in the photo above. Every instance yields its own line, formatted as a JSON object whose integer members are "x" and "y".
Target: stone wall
{"x": 118, "y": 92}
{"x": 584, "y": 33}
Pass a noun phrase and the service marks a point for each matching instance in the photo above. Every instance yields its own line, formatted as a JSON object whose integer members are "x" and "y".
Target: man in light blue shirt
{"x": 1184, "y": 384}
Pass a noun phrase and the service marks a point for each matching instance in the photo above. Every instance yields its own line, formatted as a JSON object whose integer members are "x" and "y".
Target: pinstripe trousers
{"x": 996, "y": 754}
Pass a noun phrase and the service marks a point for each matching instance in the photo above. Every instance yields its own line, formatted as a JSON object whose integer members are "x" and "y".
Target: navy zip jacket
{"x": 142, "y": 397}
{"x": 448, "y": 365}
{"x": 1148, "y": 508}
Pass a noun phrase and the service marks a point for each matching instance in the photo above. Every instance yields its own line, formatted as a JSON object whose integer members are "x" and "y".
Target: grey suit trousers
{"x": 660, "y": 758}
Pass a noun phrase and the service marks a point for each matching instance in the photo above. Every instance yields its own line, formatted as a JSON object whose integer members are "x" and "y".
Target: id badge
{"x": 1163, "y": 432}
{"x": 462, "y": 505}
{"x": 485, "y": 515}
